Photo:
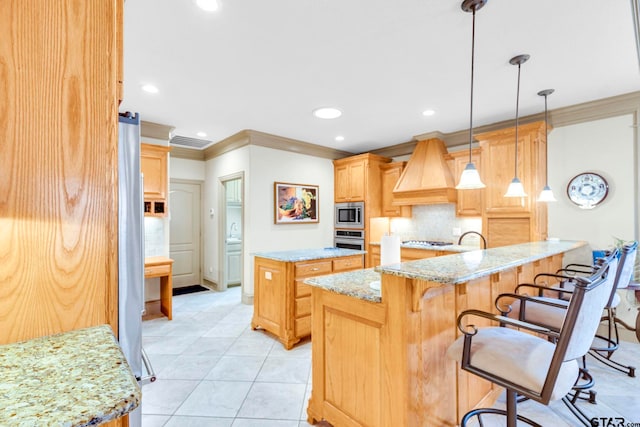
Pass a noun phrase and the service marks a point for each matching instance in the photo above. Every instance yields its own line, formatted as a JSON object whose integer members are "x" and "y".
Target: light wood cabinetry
{"x": 358, "y": 178}
{"x": 390, "y": 173}
{"x": 509, "y": 220}
{"x": 162, "y": 267}
{"x": 58, "y": 192}
{"x": 350, "y": 180}
{"x": 384, "y": 364}
{"x": 282, "y": 302}
{"x": 469, "y": 201}
{"x": 153, "y": 163}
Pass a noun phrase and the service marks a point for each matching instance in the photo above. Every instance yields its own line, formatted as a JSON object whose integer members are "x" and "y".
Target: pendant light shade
{"x": 546, "y": 195}
{"x": 470, "y": 178}
{"x": 516, "y": 189}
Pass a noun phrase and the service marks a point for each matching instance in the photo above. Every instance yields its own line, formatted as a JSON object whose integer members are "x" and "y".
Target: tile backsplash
{"x": 154, "y": 238}
{"x": 436, "y": 222}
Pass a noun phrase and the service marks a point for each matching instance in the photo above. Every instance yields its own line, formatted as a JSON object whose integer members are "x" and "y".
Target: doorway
{"x": 184, "y": 232}
{"x": 232, "y": 230}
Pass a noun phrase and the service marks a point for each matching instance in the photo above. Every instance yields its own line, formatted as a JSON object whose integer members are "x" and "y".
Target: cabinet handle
{"x": 315, "y": 269}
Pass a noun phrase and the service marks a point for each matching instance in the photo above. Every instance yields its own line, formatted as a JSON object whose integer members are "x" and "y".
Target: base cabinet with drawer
{"x": 282, "y": 302}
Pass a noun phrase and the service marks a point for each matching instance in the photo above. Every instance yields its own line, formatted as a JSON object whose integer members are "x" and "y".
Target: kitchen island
{"x": 77, "y": 378}
{"x": 378, "y": 357}
{"x": 282, "y": 302}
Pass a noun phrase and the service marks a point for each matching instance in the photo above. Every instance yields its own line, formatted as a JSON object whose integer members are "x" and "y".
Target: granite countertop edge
{"x": 460, "y": 268}
{"x": 441, "y": 269}
{"x": 72, "y": 379}
{"x": 296, "y": 255}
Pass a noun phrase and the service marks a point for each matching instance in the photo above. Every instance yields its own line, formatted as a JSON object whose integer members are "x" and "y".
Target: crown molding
{"x": 155, "y": 130}
{"x": 253, "y": 137}
{"x": 186, "y": 153}
{"x": 619, "y": 105}
{"x": 286, "y": 144}
{"x": 231, "y": 143}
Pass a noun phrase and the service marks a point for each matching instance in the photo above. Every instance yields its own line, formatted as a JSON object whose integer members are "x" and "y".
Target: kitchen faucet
{"x": 484, "y": 241}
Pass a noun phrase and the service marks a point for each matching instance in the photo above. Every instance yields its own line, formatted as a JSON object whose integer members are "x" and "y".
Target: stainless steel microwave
{"x": 350, "y": 215}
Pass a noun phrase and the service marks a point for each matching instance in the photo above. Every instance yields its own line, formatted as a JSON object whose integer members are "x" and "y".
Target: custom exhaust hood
{"x": 427, "y": 178}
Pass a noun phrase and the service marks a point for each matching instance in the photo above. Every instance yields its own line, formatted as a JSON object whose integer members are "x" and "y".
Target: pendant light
{"x": 515, "y": 188}
{"x": 470, "y": 179}
{"x": 546, "y": 195}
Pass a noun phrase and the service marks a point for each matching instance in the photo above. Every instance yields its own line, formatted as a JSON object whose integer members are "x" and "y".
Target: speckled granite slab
{"x": 460, "y": 268}
{"x": 78, "y": 378}
{"x": 448, "y": 248}
{"x": 352, "y": 283}
{"x": 308, "y": 254}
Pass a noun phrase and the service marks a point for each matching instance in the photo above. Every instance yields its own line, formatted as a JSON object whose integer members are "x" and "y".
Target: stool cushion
{"x": 518, "y": 357}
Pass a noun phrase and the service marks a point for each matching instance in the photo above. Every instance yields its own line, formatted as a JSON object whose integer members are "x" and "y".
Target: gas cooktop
{"x": 426, "y": 243}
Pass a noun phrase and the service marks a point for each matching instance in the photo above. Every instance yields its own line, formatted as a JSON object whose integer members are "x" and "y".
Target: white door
{"x": 184, "y": 234}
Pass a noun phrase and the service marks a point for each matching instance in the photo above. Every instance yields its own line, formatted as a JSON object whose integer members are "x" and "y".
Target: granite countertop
{"x": 450, "y": 269}
{"x": 308, "y": 254}
{"x": 460, "y": 268}
{"x": 446, "y": 248}
{"x": 352, "y": 283}
{"x": 77, "y": 378}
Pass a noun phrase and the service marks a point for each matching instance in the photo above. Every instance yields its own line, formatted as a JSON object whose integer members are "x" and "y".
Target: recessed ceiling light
{"x": 150, "y": 88}
{"x": 327, "y": 113}
{"x": 428, "y": 113}
{"x": 208, "y": 5}
{"x": 339, "y": 138}
{"x": 201, "y": 134}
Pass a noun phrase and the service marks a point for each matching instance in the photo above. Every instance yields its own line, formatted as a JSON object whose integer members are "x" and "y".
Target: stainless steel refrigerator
{"x": 130, "y": 248}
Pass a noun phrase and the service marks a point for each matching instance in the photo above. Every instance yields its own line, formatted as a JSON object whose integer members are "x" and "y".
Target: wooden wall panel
{"x": 58, "y": 176}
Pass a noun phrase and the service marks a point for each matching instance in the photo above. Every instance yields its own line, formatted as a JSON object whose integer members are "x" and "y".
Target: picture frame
{"x": 296, "y": 203}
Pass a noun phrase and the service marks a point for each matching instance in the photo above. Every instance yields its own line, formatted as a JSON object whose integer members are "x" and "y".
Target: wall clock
{"x": 587, "y": 190}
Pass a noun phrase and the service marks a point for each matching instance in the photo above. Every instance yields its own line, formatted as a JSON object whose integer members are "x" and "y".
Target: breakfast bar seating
{"x": 379, "y": 357}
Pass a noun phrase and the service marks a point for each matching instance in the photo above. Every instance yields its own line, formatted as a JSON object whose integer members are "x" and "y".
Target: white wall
{"x": 186, "y": 169}
{"x": 229, "y": 163}
{"x": 607, "y": 148}
{"x": 262, "y": 167}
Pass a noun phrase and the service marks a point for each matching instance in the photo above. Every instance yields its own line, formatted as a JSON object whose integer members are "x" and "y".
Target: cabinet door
{"x": 357, "y": 179}
{"x": 153, "y": 163}
{"x": 469, "y": 201}
{"x": 498, "y": 172}
{"x": 341, "y": 184}
{"x": 269, "y": 299}
{"x": 389, "y": 174}
{"x": 233, "y": 267}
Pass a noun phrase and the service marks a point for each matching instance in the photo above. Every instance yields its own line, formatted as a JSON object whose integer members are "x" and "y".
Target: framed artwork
{"x": 295, "y": 203}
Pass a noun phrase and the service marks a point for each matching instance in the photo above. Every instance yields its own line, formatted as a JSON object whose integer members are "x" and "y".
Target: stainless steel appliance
{"x": 130, "y": 249}
{"x": 349, "y": 215}
{"x": 349, "y": 239}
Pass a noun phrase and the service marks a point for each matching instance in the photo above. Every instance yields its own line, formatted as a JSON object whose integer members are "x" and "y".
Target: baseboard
{"x": 210, "y": 284}
{"x": 247, "y": 299}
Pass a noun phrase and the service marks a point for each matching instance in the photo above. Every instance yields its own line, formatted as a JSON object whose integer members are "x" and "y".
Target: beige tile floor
{"x": 214, "y": 371}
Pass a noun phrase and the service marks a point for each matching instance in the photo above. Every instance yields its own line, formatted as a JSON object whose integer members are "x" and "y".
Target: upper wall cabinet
{"x": 350, "y": 177}
{"x": 469, "y": 201}
{"x": 389, "y": 174}
{"x": 153, "y": 163}
{"x": 508, "y": 220}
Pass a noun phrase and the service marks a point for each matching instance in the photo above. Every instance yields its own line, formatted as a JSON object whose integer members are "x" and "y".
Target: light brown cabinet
{"x": 60, "y": 257}
{"x": 358, "y": 178}
{"x": 282, "y": 302}
{"x": 506, "y": 220}
{"x": 153, "y": 163}
{"x": 350, "y": 181}
{"x": 469, "y": 201}
{"x": 389, "y": 174}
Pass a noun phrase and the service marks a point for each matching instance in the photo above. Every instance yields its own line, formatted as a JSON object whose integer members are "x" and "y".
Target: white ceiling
{"x": 266, "y": 64}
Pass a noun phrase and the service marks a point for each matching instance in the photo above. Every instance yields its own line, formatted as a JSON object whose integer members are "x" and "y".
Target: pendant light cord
{"x": 546, "y": 145}
{"x": 473, "y": 48}
{"x": 517, "y": 104}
